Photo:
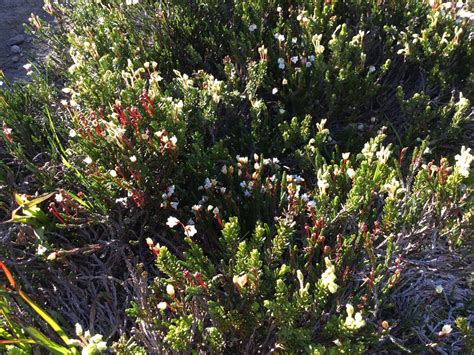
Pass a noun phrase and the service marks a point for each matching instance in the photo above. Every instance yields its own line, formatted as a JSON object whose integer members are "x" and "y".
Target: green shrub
{"x": 287, "y": 273}
{"x": 271, "y": 156}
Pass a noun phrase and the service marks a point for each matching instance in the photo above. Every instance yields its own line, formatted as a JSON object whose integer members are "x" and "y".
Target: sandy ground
{"x": 16, "y": 48}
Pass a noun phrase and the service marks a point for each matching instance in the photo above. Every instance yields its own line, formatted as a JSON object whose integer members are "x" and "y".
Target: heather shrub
{"x": 343, "y": 61}
{"x": 238, "y": 174}
{"x": 300, "y": 264}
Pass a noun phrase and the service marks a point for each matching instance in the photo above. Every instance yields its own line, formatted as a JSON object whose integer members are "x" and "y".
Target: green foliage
{"x": 277, "y": 151}
{"x": 465, "y": 329}
{"x": 290, "y": 284}
{"x": 178, "y": 90}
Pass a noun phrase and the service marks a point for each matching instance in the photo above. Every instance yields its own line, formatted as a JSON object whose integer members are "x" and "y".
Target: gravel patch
{"x": 16, "y": 47}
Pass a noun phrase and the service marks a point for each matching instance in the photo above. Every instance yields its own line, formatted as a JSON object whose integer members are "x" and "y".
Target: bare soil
{"x": 16, "y": 47}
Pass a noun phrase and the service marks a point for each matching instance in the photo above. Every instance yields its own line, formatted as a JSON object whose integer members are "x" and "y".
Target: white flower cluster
{"x": 273, "y": 161}
{"x": 308, "y": 62}
{"x": 323, "y": 176}
{"x": 328, "y": 277}
{"x": 248, "y": 184}
{"x": 164, "y": 138}
{"x": 91, "y": 344}
{"x": 353, "y": 322}
{"x": 318, "y": 48}
{"x": 383, "y": 154}
{"x": 189, "y": 229}
{"x": 393, "y": 188}
{"x": 369, "y": 150}
{"x": 208, "y": 184}
{"x": 320, "y": 126}
{"x": 279, "y": 37}
{"x": 294, "y": 185}
{"x": 166, "y": 196}
{"x": 247, "y": 188}
{"x": 184, "y": 79}
{"x": 281, "y": 63}
{"x": 214, "y": 88}
{"x": 463, "y": 161}
{"x": 178, "y": 106}
{"x": 114, "y": 132}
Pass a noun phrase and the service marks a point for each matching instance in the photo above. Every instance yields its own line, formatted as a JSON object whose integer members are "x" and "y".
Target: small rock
{"x": 15, "y": 49}
{"x": 18, "y": 39}
{"x": 15, "y": 59}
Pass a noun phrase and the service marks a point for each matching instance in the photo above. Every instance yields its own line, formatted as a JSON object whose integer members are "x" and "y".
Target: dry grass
{"x": 429, "y": 261}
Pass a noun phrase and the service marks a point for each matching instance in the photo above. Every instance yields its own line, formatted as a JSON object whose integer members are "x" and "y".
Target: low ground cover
{"x": 215, "y": 176}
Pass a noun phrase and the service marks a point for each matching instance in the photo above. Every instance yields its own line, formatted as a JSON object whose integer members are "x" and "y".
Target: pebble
{"x": 18, "y": 39}
{"x": 15, "y": 49}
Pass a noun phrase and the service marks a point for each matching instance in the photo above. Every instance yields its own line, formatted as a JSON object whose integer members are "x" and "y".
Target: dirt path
{"x": 16, "y": 48}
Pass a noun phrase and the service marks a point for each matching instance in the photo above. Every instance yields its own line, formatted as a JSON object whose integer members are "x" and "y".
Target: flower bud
{"x": 101, "y": 346}
{"x": 51, "y": 256}
{"x": 79, "y": 330}
{"x": 170, "y": 290}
